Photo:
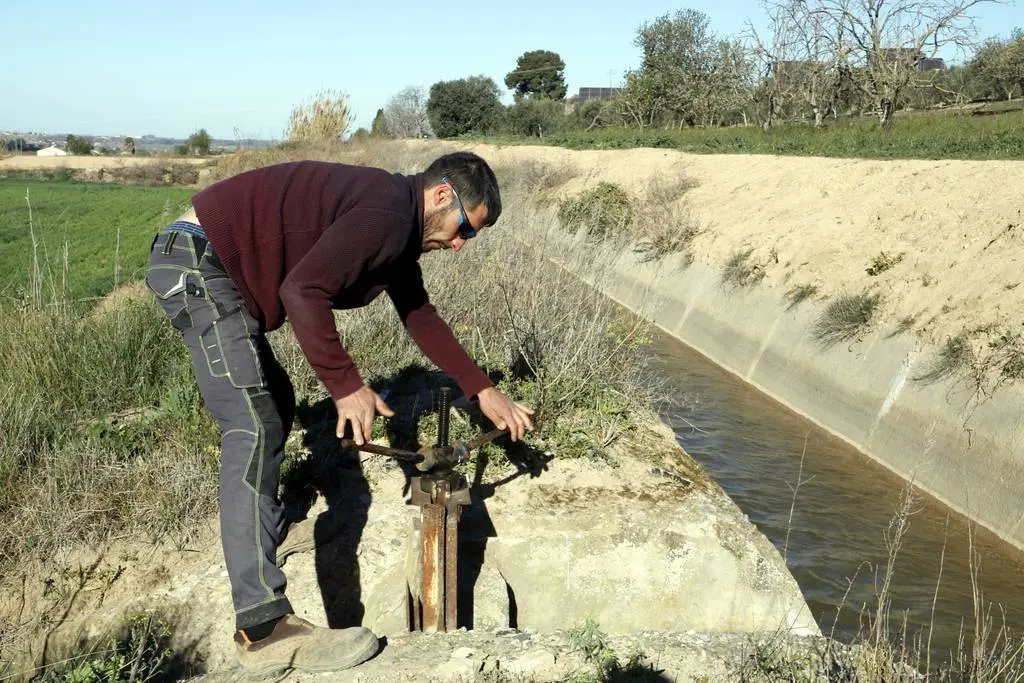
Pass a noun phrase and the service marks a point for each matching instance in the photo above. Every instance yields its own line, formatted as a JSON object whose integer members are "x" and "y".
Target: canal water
{"x": 834, "y": 527}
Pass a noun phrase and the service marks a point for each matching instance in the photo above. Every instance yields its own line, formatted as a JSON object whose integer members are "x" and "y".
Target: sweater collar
{"x": 417, "y": 202}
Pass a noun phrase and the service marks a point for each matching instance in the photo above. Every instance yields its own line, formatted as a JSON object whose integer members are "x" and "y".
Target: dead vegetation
{"x": 740, "y": 270}
{"x": 846, "y": 317}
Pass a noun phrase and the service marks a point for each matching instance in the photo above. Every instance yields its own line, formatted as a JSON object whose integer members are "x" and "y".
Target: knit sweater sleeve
{"x": 347, "y": 248}
{"x": 431, "y": 333}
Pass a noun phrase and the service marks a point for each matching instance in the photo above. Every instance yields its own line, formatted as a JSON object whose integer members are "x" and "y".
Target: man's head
{"x": 460, "y": 197}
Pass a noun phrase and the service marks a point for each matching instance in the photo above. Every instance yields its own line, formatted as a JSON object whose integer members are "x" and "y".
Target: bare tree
{"x": 803, "y": 74}
{"x": 879, "y": 44}
{"x": 766, "y": 54}
{"x": 406, "y": 113}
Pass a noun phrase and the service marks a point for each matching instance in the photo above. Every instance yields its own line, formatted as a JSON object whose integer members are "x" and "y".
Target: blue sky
{"x": 118, "y": 67}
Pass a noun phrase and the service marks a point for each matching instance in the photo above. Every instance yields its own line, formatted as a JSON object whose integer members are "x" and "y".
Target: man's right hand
{"x": 358, "y": 409}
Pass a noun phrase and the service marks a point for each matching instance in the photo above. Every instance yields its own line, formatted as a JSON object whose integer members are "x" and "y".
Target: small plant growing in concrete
{"x": 846, "y": 317}
{"x": 590, "y": 641}
{"x": 797, "y": 295}
{"x": 740, "y": 271}
{"x": 883, "y": 262}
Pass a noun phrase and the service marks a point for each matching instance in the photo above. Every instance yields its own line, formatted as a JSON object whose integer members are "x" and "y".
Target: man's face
{"x": 446, "y": 217}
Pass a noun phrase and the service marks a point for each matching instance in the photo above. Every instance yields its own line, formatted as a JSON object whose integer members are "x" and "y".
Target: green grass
{"x": 88, "y": 216}
{"x": 919, "y": 136}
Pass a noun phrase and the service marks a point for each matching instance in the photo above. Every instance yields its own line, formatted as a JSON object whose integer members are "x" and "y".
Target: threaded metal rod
{"x": 443, "y": 416}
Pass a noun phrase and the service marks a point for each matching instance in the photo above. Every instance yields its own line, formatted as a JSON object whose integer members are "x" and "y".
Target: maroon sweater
{"x": 301, "y": 239}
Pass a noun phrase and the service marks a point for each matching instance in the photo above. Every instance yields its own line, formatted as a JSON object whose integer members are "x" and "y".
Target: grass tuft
{"x": 797, "y": 295}
{"x": 955, "y": 355}
{"x": 846, "y": 317}
{"x": 603, "y": 211}
{"x": 740, "y": 271}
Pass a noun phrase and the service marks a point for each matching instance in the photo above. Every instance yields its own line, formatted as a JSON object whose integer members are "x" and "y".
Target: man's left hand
{"x": 505, "y": 413}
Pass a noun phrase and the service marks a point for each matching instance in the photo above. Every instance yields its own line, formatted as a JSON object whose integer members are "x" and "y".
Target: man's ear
{"x": 441, "y": 194}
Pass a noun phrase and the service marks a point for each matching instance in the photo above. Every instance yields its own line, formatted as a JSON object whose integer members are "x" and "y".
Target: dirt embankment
{"x": 93, "y": 163}
{"x": 956, "y": 227}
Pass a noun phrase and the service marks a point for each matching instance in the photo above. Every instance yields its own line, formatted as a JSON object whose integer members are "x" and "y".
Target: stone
{"x": 457, "y": 669}
{"x": 490, "y": 600}
{"x": 464, "y": 653}
{"x": 532, "y": 663}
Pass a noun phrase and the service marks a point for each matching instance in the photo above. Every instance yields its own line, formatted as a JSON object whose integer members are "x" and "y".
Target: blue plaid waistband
{"x": 186, "y": 226}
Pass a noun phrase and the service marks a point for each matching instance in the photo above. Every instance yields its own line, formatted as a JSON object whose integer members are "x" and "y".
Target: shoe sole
{"x": 369, "y": 651}
{"x": 273, "y": 670}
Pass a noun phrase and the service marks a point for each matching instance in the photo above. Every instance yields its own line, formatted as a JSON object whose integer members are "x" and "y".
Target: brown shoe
{"x": 297, "y": 644}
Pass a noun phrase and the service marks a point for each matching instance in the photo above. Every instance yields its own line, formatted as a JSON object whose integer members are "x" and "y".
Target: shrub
{"x": 184, "y": 174}
{"x": 139, "y": 653}
{"x": 325, "y": 117}
{"x": 739, "y": 271}
{"x": 883, "y": 262}
{"x": 846, "y": 317}
{"x": 603, "y": 211}
{"x": 535, "y": 116}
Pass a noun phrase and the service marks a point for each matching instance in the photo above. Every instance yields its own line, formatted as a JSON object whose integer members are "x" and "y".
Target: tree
{"x": 688, "y": 76}
{"x": 74, "y": 144}
{"x": 643, "y": 99}
{"x": 535, "y": 116}
{"x": 199, "y": 142}
{"x": 379, "y": 127}
{"x": 998, "y": 66}
{"x": 406, "y": 113}
{"x": 539, "y": 72}
{"x": 799, "y": 70}
{"x": 468, "y": 105}
{"x": 129, "y": 145}
{"x": 326, "y": 117}
{"x": 596, "y": 113}
{"x": 879, "y": 44}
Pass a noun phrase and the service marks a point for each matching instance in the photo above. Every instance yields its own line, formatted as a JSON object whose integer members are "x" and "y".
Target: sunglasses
{"x": 466, "y": 229}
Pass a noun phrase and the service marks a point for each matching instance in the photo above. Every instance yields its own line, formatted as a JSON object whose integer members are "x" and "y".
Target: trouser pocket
{"x": 169, "y": 285}
{"x": 230, "y": 350}
{"x": 173, "y": 272}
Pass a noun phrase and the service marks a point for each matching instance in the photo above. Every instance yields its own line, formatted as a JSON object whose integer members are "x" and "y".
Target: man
{"x": 295, "y": 241}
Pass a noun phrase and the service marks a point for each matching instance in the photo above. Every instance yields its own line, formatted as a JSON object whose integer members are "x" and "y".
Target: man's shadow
{"x": 336, "y": 474}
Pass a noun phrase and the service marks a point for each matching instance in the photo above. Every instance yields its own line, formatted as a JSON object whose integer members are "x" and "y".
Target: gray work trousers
{"x": 250, "y": 396}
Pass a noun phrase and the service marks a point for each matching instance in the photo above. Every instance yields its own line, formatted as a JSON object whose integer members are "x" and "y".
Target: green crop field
{"x": 98, "y": 222}
{"x": 994, "y": 133}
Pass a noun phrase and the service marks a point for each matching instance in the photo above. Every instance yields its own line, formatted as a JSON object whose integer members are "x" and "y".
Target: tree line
{"x": 816, "y": 60}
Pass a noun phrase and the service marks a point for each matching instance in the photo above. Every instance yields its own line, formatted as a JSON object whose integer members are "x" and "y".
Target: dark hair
{"x": 472, "y": 179}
